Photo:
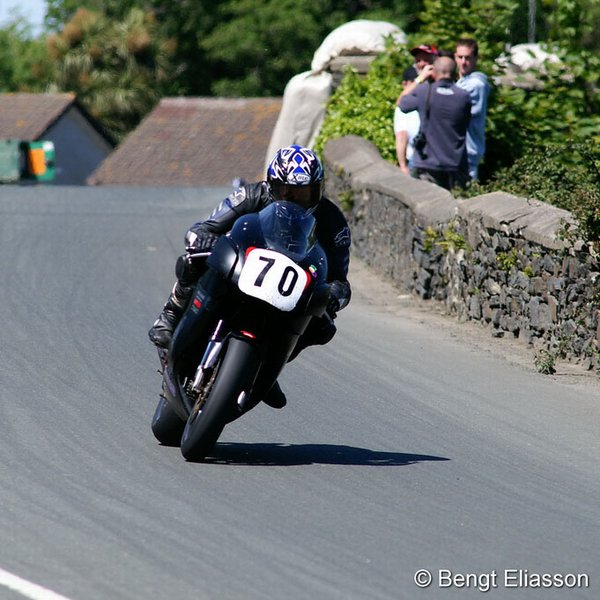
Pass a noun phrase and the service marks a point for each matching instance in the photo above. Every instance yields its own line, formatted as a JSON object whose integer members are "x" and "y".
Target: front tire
{"x": 167, "y": 427}
{"x": 236, "y": 373}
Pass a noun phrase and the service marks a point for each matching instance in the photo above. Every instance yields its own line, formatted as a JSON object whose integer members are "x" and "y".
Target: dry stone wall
{"x": 495, "y": 258}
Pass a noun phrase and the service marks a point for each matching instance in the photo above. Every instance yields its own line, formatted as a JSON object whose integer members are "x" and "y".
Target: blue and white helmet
{"x": 296, "y": 174}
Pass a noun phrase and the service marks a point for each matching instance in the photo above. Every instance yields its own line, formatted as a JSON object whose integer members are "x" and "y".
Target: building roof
{"x": 29, "y": 116}
{"x": 194, "y": 142}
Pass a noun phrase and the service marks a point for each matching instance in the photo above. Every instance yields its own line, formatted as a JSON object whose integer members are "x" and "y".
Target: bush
{"x": 364, "y": 106}
{"x": 564, "y": 105}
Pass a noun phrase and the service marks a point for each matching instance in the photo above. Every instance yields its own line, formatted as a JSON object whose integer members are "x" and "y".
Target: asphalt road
{"x": 402, "y": 447}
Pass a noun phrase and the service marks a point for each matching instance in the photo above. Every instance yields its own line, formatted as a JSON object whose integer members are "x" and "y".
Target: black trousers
{"x": 319, "y": 332}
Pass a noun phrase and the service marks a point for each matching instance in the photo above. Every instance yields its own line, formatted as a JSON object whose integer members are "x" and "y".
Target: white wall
{"x": 78, "y": 146}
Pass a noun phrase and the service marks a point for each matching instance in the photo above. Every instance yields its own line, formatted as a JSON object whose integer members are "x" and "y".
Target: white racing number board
{"x": 274, "y": 278}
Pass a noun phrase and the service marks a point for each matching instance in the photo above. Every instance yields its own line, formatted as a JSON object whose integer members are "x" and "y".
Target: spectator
{"x": 476, "y": 83}
{"x": 424, "y": 55}
{"x": 445, "y": 111}
{"x": 406, "y": 127}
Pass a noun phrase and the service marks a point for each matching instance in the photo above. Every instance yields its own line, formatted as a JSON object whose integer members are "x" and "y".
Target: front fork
{"x": 205, "y": 373}
{"x": 268, "y": 373}
{"x": 211, "y": 353}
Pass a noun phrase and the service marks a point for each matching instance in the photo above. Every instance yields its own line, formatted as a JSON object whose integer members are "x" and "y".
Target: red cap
{"x": 424, "y": 48}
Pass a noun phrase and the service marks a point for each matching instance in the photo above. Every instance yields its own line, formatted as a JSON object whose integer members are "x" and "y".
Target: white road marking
{"x": 26, "y": 588}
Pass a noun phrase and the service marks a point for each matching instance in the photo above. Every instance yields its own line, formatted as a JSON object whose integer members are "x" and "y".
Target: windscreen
{"x": 288, "y": 228}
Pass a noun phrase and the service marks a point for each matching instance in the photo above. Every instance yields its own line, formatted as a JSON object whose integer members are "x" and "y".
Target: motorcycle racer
{"x": 295, "y": 174}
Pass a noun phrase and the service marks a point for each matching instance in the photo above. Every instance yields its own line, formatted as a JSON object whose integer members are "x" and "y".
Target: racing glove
{"x": 200, "y": 240}
{"x": 339, "y": 297}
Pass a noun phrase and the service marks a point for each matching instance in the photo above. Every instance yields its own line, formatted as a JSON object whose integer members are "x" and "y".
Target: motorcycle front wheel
{"x": 236, "y": 372}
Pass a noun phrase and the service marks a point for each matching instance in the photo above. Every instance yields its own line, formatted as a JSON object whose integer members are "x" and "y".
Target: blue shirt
{"x": 476, "y": 83}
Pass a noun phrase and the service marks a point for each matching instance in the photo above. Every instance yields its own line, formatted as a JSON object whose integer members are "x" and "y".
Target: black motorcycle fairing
{"x": 225, "y": 257}
{"x": 287, "y": 229}
{"x": 197, "y": 322}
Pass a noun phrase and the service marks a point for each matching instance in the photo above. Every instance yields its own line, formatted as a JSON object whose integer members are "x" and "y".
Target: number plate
{"x": 274, "y": 278}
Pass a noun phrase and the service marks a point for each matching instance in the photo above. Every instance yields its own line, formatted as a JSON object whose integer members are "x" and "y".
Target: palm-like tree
{"x": 117, "y": 69}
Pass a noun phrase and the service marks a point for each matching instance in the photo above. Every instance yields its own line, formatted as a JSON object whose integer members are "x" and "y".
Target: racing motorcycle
{"x": 261, "y": 285}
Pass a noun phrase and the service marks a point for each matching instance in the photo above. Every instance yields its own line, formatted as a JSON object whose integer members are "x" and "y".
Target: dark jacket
{"x": 446, "y": 127}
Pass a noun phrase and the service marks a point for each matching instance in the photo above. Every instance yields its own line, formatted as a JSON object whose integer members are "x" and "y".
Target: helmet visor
{"x": 307, "y": 196}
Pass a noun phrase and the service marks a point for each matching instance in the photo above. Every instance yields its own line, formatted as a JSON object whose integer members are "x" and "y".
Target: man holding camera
{"x": 445, "y": 112}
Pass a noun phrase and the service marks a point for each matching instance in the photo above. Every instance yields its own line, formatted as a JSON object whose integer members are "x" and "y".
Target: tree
{"x": 186, "y": 23}
{"x": 117, "y": 69}
{"x": 571, "y": 23}
{"x": 564, "y": 107}
{"x": 258, "y": 51}
{"x": 445, "y": 21}
{"x": 60, "y": 12}
{"x": 24, "y": 66}
{"x": 258, "y": 47}
{"x": 240, "y": 47}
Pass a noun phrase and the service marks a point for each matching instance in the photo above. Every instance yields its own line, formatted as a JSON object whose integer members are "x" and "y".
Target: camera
{"x": 419, "y": 144}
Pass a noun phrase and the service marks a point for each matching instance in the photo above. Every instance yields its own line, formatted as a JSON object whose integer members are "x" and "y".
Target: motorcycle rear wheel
{"x": 236, "y": 372}
{"x": 167, "y": 427}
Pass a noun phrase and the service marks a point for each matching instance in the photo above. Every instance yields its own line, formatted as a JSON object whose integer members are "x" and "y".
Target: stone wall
{"x": 496, "y": 258}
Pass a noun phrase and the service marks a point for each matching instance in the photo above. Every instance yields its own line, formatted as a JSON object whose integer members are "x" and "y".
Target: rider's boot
{"x": 161, "y": 332}
{"x": 275, "y": 398}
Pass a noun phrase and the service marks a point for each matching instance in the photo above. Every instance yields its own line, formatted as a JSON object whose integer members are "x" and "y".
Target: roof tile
{"x": 28, "y": 116}
{"x": 193, "y": 142}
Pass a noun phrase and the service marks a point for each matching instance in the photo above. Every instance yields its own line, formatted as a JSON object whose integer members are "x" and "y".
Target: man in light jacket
{"x": 476, "y": 83}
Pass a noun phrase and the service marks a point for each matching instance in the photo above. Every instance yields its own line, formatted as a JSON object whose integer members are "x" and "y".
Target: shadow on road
{"x": 309, "y": 454}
